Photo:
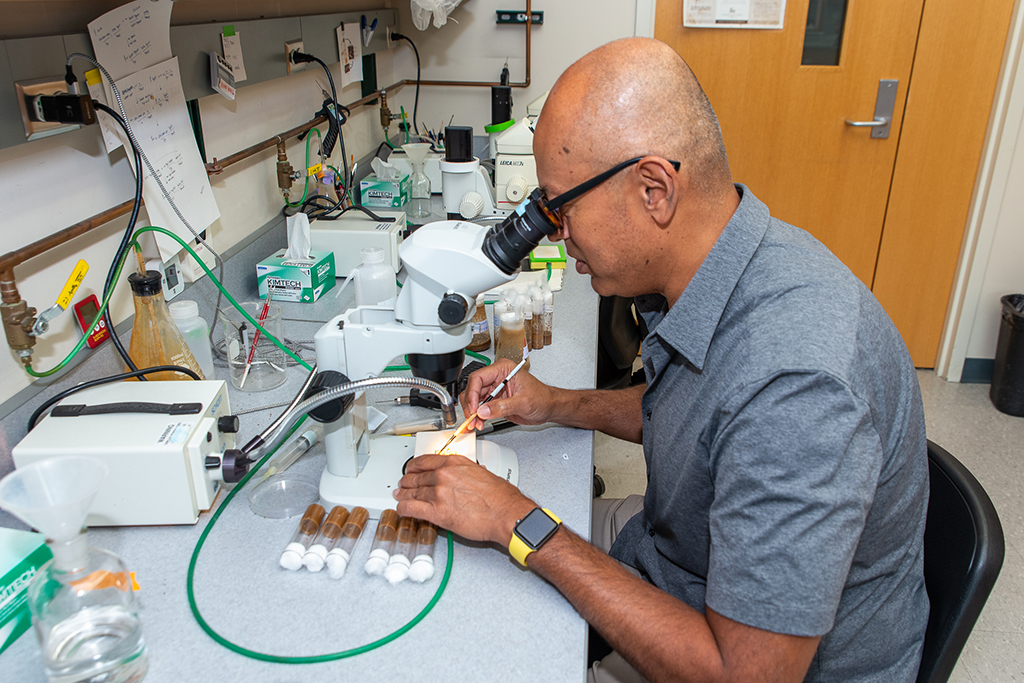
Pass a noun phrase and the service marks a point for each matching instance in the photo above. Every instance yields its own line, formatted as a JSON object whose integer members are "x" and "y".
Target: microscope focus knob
{"x": 471, "y": 205}
{"x": 453, "y": 309}
{"x": 515, "y": 191}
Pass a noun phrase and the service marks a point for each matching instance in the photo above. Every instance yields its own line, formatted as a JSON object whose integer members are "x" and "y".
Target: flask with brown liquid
{"x": 156, "y": 340}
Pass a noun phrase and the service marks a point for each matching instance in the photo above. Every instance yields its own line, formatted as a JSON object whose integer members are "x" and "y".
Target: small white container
{"x": 196, "y": 333}
{"x": 374, "y": 279}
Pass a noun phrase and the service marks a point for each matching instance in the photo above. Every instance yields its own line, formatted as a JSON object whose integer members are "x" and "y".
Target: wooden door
{"x": 785, "y": 132}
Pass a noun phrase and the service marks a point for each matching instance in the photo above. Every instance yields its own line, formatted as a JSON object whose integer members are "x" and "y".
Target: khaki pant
{"x": 608, "y": 519}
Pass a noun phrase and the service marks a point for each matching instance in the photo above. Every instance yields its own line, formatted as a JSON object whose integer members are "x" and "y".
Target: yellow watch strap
{"x": 518, "y": 549}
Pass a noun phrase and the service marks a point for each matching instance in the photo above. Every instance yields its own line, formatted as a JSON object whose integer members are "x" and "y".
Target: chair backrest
{"x": 963, "y": 553}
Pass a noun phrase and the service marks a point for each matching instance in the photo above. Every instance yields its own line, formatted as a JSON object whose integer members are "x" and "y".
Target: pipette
{"x": 497, "y": 390}
{"x": 289, "y": 453}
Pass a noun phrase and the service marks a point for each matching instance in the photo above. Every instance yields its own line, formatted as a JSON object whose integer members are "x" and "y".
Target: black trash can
{"x": 1007, "y": 391}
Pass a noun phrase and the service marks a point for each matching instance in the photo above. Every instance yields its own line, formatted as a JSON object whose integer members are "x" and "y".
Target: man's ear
{"x": 661, "y": 188}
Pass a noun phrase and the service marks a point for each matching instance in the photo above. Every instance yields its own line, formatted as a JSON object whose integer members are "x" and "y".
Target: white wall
{"x": 47, "y": 185}
{"x": 476, "y": 49}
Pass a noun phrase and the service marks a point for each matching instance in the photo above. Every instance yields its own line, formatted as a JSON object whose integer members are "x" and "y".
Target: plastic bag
{"x": 422, "y": 9}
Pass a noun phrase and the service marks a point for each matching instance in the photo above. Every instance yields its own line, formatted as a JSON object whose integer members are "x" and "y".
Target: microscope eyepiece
{"x": 514, "y": 238}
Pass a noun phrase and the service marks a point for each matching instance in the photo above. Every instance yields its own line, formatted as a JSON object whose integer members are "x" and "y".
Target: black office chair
{"x": 963, "y": 553}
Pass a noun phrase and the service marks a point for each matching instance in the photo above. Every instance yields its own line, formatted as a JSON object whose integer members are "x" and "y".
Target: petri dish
{"x": 284, "y": 495}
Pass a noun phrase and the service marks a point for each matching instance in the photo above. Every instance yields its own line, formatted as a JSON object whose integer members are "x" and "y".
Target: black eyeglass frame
{"x": 553, "y": 205}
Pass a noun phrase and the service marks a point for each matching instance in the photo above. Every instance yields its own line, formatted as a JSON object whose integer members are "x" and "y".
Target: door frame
{"x": 991, "y": 184}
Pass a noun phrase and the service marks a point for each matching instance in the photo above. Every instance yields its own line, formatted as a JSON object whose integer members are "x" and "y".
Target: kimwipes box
{"x": 22, "y": 553}
{"x": 296, "y": 280}
{"x": 384, "y": 193}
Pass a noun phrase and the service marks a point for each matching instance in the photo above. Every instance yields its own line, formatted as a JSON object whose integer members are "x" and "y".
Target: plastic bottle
{"x": 537, "y": 332}
{"x": 374, "y": 279}
{"x": 511, "y": 342}
{"x": 481, "y": 332}
{"x": 383, "y": 543}
{"x": 338, "y": 557}
{"x": 549, "y": 313}
{"x": 155, "y": 338}
{"x": 195, "y": 331}
{"x": 303, "y": 537}
{"x": 405, "y": 550}
{"x": 423, "y": 564}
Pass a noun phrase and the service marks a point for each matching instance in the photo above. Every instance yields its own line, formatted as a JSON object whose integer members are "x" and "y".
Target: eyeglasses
{"x": 551, "y": 207}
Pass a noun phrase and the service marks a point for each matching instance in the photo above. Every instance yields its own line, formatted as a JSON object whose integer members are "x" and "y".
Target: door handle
{"x": 867, "y": 124}
{"x": 885, "y": 103}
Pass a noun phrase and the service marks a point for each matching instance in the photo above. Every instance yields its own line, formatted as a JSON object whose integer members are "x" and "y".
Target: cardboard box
{"x": 22, "y": 553}
{"x": 296, "y": 280}
{"x": 384, "y": 193}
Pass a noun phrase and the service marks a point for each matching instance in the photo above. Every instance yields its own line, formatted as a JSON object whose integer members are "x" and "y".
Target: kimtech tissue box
{"x": 384, "y": 193}
{"x": 296, "y": 280}
{"x": 22, "y": 553}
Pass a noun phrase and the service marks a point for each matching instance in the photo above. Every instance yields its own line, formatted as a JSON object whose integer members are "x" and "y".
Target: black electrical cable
{"x": 126, "y": 239}
{"x": 416, "y": 101}
{"x": 306, "y": 57}
{"x": 104, "y": 380}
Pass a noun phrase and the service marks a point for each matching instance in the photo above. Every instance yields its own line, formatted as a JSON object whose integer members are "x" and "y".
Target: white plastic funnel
{"x": 53, "y": 495}
{"x": 417, "y": 152}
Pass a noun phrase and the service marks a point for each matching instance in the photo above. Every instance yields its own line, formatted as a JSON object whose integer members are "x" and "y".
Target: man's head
{"x": 648, "y": 226}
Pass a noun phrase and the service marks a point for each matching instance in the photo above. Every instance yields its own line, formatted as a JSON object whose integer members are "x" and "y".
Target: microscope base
{"x": 372, "y": 488}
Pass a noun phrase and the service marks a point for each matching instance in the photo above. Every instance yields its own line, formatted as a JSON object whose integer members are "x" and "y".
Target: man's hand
{"x": 525, "y": 400}
{"x": 455, "y": 493}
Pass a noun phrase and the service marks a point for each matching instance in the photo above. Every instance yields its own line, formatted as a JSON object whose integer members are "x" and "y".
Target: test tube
{"x": 291, "y": 558}
{"x": 383, "y": 542}
{"x": 338, "y": 557}
{"x": 527, "y": 311}
{"x": 423, "y": 564}
{"x": 326, "y": 539}
{"x": 405, "y": 549}
{"x": 549, "y": 313}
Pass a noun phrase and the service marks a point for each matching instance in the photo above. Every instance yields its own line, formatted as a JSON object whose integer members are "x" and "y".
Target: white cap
{"x": 422, "y": 568}
{"x": 291, "y": 558}
{"x": 377, "y": 562}
{"x": 337, "y": 562}
{"x": 398, "y": 569}
{"x": 314, "y": 558}
{"x": 183, "y": 310}
{"x": 372, "y": 255}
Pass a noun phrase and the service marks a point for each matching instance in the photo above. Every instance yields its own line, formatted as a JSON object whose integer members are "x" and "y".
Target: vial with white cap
{"x": 341, "y": 553}
{"x": 326, "y": 539}
{"x": 423, "y": 563}
{"x": 383, "y": 543}
{"x": 405, "y": 549}
{"x": 303, "y": 537}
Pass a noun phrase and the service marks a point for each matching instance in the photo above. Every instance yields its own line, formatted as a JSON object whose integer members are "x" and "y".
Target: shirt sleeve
{"x": 794, "y": 462}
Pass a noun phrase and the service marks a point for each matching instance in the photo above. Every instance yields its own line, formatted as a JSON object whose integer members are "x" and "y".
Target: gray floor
{"x": 961, "y": 419}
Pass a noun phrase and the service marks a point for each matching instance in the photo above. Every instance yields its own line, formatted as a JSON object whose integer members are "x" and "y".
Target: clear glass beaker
{"x": 255, "y": 362}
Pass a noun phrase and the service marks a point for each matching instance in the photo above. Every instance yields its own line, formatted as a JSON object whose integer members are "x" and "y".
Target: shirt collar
{"x": 690, "y": 324}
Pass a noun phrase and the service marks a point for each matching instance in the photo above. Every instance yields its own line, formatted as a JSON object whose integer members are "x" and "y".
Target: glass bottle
{"x": 481, "y": 332}
{"x": 156, "y": 340}
{"x": 419, "y": 193}
{"x": 82, "y": 601}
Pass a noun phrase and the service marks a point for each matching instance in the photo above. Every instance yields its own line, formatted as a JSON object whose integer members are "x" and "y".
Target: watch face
{"x": 536, "y": 528}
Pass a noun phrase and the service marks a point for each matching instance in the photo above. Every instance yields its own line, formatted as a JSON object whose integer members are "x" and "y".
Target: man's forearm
{"x": 615, "y": 412}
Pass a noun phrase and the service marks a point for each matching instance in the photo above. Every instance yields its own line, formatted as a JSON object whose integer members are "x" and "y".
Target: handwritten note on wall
{"x": 155, "y": 104}
{"x": 132, "y": 37}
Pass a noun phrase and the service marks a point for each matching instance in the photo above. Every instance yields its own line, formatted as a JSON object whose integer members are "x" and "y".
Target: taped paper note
{"x": 132, "y": 37}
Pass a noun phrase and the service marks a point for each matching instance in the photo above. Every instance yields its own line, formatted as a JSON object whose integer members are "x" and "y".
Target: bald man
{"x": 780, "y": 537}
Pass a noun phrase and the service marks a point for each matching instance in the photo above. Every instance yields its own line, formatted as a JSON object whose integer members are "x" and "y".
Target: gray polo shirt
{"x": 786, "y": 456}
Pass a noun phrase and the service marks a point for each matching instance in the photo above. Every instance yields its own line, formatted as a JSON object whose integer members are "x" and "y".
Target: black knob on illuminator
{"x": 227, "y": 424}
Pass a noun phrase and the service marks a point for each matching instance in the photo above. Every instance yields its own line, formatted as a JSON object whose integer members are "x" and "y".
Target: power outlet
{"x": 391, "y": 41}
{"x": 289, "y": 48}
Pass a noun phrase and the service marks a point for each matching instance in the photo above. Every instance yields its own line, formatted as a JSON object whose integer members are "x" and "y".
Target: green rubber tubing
{"x": 284, "y": 659}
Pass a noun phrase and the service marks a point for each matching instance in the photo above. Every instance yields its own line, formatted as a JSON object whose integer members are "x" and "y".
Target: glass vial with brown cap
{"x": 156, "y": 340}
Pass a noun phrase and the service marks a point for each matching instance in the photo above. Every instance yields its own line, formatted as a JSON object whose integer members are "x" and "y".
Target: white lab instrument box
{"x": 354, "y": 231}
{"x": 158, "y": 461}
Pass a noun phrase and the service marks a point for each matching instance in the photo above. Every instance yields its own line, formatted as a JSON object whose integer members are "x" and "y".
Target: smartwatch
{"x": 531, "y": 532}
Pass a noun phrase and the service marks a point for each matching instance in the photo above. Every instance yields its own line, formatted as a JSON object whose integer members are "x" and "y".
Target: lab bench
{"x": 495, "y": 621}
